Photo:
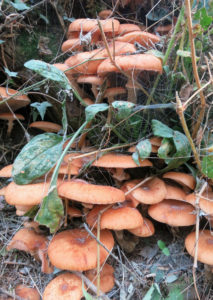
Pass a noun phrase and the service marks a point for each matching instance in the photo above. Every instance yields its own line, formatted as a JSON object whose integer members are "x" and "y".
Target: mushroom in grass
{"x": 65, "y": 286}
{"x": 117, "y": 162}
{"x": 14, "y": 103}
{"x": 29, "y": 241}
{"x": 107, "y": 279}
{"x": 26, "y": 293}
{"x": 173, "y": 212}
{"x": 151, "y": 192}
{"x": 82, "y": 191}
{"x": 76, "y": 250}
{"x": 10, "y": 118}
{"x": 146, "y": 230}
{"x": 145, "y": 39}
{"x": 87, "y": 29}
{"x": 131, "y": 65}
{"x": 46, "y": 126}
{"x": 183, "y": 179}
{"x": 127, "y": 28}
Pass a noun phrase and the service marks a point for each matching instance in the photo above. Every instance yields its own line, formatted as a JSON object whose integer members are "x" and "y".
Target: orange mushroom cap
{"x": 76, "y": 250}
{"x": 146, "y": 39}
{"x": 66, "y": 286}
{"x": 173, "y": 213}
{"x": 26, "y": 292}
{"x": 205, "y": 246}
{"x": 72, "y": 45}
{"x": 46, "y": 126}
{"x": 104, "y": 14}
{"x": 6, "y": 171}
{"x": 15, "y": 103}
{"x": 115, "y": 218}
{"x": 146, "y": 230}
{"x": 182, "y": 178}
{"x": 175, "y": 193}
{"x": 127, "y": 28}
{"x": 82, "y": 191}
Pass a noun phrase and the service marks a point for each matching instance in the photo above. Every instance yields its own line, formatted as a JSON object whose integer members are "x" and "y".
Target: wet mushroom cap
{"x": 26, "y": 292}
{"x": 182, "y": 178}
{"x": 82, "y": 191}
{"x": 205, "y": 246}
{"x": 107, "y": 279}
{"x": 76, "y": 250}
{"x": 46, "y": 126}
{"x": 15, "y": 103}
{"x": 146, "y": 230}
{"x": 151, "y": 192}
{"x": 65, "y": 286}
{"x": 115, "y": 218}
{"x": 173, "y": 213}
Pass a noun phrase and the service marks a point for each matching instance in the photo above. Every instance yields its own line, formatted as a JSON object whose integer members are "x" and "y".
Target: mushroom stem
{"x": 10, "y": 127}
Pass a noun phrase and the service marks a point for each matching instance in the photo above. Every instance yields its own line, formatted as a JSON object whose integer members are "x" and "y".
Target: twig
{"x": 186, "y": 130}
{"x": 139, "y": 184}
{"x": 195, "y": 71}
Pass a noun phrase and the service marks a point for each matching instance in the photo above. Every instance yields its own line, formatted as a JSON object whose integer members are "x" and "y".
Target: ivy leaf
{"x": 51, "y": 211}
{"x": 93, "y": 109}
{"x": 202, "y": 16}
{"x": 162, "y": 130}
{"x": 143, "y": 150}
{"x": 123, "y": 109}
{"x": 166, "y": 147}
{"x": 48, "y": 71}
{"x": 9, "y": 73}
{"x": 163, "y": 247}
{"x": 19, "y": 5}
{"x": 207, "y": 166}
{"x": 37, "y": 157}
{"x": 41, "y": 107}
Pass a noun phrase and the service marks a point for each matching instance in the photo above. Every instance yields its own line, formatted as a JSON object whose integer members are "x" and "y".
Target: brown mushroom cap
{"x": 82, "y": 191}
{"x": 127, "y": 28}
{"x": 46, "y": 126}
{"x": 66, "y": 286}
{"x": 15, "y": 102}
{"x": 117, "y": 160}
{"x": 90, "y": 79}
{"x": 76, "y": 250}
{"x": 107, "y": 279}
{"x": 206, "y": 202}
{"x": 115, "y": 218}
{"x": 205, "y": 246}
{"x": 146, "y": 39}
{"x": 21, "y": 210}
{"x": 26, "y": 292}
{"x": 175, "y": 193}
{"x": 146, "y": 230}
{"x": 104, "y": 14}
{"x": 173, "y": 213}
{"x": 151, "y": 192}
{"x": 10, "y": 116}
{"x": 74, "y": 212}
{"x": 131, "y": 63}
{"x": 156, "y": 141}
{"x": 6, "y": 171}
{"x": 72, "y": 45}
{"x": 182, "y": 178}
{"x": 114, "y": 91}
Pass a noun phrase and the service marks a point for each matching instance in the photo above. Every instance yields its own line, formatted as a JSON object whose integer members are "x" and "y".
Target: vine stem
{"x": 168, "y": 51}
{"x": 180, "y": 112}
{"x": 195, "y": 71}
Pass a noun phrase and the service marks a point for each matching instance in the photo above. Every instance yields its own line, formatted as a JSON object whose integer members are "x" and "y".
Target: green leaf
{"x": 184, "y": 53}
{"x": 48, "y": 71}
{"x": 19, "y": 5}
{"x": 93, "y": 109}
{"x": 175, "y": 294}
{"x": 162, "y": 130}
{"x": 166, "y": 147}
{"x": 51, "y": 211}
{"x": 153, "y": 293}
{"x": 144, "y": 149}
{"x": 123, "y": 109}
{"x": 41, "y": 107}
{"x": 156, "y": 53}
{"x": 204, "y": 18}
{"x": 44, "y": 18}
{"x": 87, "y": 296}
{"x": 37, "y": 157}
{"x": 163, "y": 248}
{"x": 64, "y": 117}
{"x": 9, "y": 73}
{"x": 207, "y": 166}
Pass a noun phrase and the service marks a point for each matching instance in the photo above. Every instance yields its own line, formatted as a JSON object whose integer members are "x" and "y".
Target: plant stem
{"x": 168, "y": 51}
{"x": 180, "y": 113}
{"x": 195, "y": 71}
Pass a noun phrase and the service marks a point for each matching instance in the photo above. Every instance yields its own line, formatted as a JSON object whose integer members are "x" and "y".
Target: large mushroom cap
{"x": 115, "y": 218}
{"x": 151, "y": 192}
{"x": 182, "y": 178}
{"x": 107, "y": 280}
{"x": 205, "y": 246}
{"x": 206, "y": 202}
{"x": 173, "y": 213}
{"x": 146, "y": 39}
{"x": 26, "y": 292}
{"x": 117, "y": 160}
{"x": 147, "y": 229}
{"x": 131, "y": 63}
{"x": 15, "y": 103}
{"x": 66, "y": 286}
{"x": 82, "y": 191}
{"x": 76, "y": 250}
{"x": 175, "y": 193}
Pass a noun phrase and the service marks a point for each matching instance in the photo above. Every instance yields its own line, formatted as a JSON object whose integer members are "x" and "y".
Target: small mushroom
{"x": 26, "y": 293}
{"x": 10, "y": 117}
{"x": 46, "y": 126}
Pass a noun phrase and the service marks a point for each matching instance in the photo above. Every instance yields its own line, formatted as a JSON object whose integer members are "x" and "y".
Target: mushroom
{"x": 173, "y": 212}
{"x": 182, "y": 178}
{"x": 127, "y": 28}
{"x": 10, "y": 117}
{"x": 145, "y": 39}
{"x": 65, "y": 286}
{"x": 29, "y": 241}
{"x": 76, "y": 250}
{"x": 105, "y": 14}
{"x": 6, "y": 171}
{"x": 145, "y": 230}
{"x": 82, "y": 191}
{"x": 175, "y": 193}
{"x": 46, "y": 126}
{"x": 15, "y": 102}
{"x": 72, "y": 45}
{"x": 26, "y": 293}
{"x": 86, "y": 29}
{"x": 95, "y": 81}
{"x": 107, "y": 279}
